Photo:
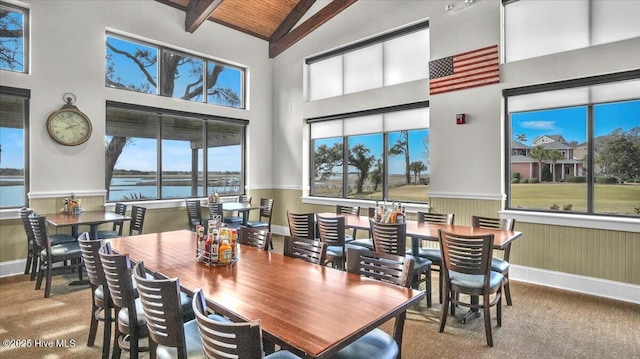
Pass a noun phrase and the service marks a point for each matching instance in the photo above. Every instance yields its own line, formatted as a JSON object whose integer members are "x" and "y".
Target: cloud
{"x": 539, "y": 125}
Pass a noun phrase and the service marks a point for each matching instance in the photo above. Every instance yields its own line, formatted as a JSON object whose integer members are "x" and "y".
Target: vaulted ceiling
{"x": 271, "y": 20}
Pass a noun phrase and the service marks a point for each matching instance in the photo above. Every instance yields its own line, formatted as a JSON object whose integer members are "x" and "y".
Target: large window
{"x": 380, "y": 154}
{"x": 14, "y": 35}
{"x": 13, "y": 168}
{"x": 158, "y": 154}
{"x": 571, "y": 24}
{"x": 575, "y": 146}
{"x": 147, "y": 68}
{"x": 390, "y": 59}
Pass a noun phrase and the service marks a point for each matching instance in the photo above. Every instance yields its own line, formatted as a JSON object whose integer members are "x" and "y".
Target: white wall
{"x": 467, "y": 161}
{"x": 68, "y": 55}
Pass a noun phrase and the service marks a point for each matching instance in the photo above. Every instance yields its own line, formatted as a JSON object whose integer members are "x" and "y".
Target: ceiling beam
{"x": 292, "y": 19}
{"x": 325, "y": 14}
{"x": 197, "y": 12}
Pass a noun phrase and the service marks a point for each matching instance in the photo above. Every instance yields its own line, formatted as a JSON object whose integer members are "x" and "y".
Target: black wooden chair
{"x": 500, "y": 265}
{"x": 116, "y": 230}
{"x": 194, "y": 213}
{"x": 309, "y": 250}
{"x": 137, "y": 219}
{"x": 352, "y": 210}
{"x": 391, "y": 238}
{"x": 433, "y": 254}
{"x": 49, "y": 254}
{"x": 331, "y": 231}
{"x": 224, "y": 339}
{"x": 170, "y": 319}
{"x": 101, "y": 305}
{"x": 255, "y": 237}
{"x": 466, "y": 267}
{"x": 302, "y": 225}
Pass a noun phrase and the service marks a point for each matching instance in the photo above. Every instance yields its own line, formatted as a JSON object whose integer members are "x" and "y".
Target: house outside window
{"x": 574, "y": 146}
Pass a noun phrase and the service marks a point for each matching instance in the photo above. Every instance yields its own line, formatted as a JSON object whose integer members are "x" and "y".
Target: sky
{"x": 571, "y": 123}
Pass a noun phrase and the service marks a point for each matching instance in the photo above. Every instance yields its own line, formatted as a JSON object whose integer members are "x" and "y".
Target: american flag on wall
{"x": 469, "y": 69}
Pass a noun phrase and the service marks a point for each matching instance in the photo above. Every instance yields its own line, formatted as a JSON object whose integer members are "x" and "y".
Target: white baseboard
{"x": 576, "y": 283}
{"x": 11, "y": 268}
{"x": 571, "y": 282}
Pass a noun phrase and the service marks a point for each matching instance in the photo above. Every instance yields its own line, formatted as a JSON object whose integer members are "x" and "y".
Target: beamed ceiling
{"x": 271, "y": 20}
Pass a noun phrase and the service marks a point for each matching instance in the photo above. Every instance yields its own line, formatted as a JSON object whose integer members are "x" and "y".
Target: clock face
{"x": 69, "y": 127}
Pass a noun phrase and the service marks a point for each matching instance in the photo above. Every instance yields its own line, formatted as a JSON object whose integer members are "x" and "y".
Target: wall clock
{"x": 69, "y": 126}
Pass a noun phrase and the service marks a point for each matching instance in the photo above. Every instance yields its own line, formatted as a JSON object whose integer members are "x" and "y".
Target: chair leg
{"x": 106, "y": 338}
{"x": 39, "y": 277}
{"x": 507, "y": 290}
{"x": 428, "y": 287}
{"x": 487, "y": 320}
{"x": 117, "y": 351}
{"x": 34, "y": 268}
{"x": 93, "y": 323}
{"x": 47, "y": 285}
{"x": 499, "y": 309}
{"x": 445, "y": 310}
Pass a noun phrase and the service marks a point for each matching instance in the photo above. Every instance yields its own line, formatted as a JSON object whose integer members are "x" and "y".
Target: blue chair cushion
{"x": 420, "y": 264}
{"x": 192, "y": 340}
{"x": 474, "y": 280}
{"x": 60, "y": 251}
{"x": 499, "y": 265}
{"x": 61, "y": 238}
{"x": 185, "y": 303}
{"x": 282, "y": 354}
{"x": 108, "y": 234}
{"x": 257, "y": 224}
{"x": 375, "y": 344}
{"x": 233, "y": 219}
{"x": 361, "y": 243}
{"x": 335, "y": 251}
{"x": 432, "y": 254}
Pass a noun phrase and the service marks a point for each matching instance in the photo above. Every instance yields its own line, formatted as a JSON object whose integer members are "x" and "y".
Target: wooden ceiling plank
{"x": 292, "y": 19}
{"x": 322, "y": 16}
{"x": 197, "y": 12}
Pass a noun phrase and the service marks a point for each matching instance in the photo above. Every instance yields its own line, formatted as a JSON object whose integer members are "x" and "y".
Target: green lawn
{"x": 608, "y": 198}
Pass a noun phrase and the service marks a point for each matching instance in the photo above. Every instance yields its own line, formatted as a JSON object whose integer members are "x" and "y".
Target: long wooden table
{"x": 311, "y": 310}
{"x": 429, "y": 231}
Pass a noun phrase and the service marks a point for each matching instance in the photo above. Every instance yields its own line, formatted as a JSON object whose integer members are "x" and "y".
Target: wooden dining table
{"x": 91, "y": 218}
{"x": 242, "y": 208}
{"x": 311, "y": 310}
{"x": 418, "y": 231}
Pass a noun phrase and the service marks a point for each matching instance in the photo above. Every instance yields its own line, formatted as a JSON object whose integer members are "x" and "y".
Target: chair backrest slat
{"x": 117, "y": 272}
{"x": 308, "y": 250}
{"x": 137, "y": 219}
{"x": 255, "y": 237}
{"x": 493, "y": 223}
{"x": 215, "y": 209}
{"x": 91, "y": 257}
{"x": 389, "y": 237}
{"x": 439, "y": 218}
{"x": 468, "y": 254}
{"x": 194, "y": 215}
{"x": 301, "y": 225}
{"x": 160, "y": 300}
{"x": 381, "y": 266}
{"x": 331, "y": 230}
{"x": 340, "y": 209}
{"x": 225, "y": 339}
{"x": 121, "y": 209}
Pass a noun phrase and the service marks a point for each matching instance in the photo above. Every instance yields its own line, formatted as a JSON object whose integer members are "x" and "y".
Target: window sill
{"x": 624, "y": 224}
{"x": 362, "y": 203}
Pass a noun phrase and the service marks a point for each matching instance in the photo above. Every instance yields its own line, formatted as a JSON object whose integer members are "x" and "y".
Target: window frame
{"x": 590, "y": 179}
{"x": 162, "y": 49}
{"x": 345, "y": 150}
{"x": 24, "y": 94}
{"x": 26, "y": 35}
{"x": 207, "y": 120}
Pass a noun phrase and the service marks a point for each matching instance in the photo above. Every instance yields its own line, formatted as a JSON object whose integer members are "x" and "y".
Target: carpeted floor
{"x": 542, "y": 323}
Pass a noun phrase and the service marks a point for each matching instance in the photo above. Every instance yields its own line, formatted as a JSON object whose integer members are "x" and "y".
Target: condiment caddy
{"x": 218, "y": 246}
